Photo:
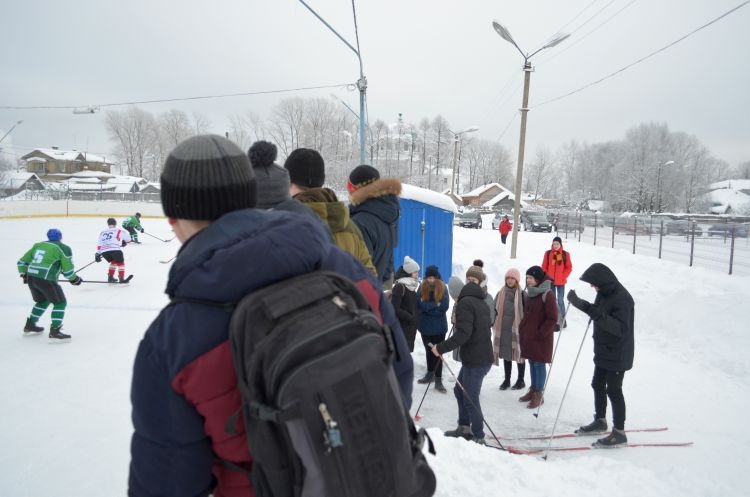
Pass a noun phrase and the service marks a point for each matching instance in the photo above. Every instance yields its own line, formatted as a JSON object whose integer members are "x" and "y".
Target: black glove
{"x": 124, "y": 243}
{"x": 142, "y": 230}
{"x": 578, "y": 302}
{"x": 98, "y": 257}
{"x": 25, "y": 278}
{"x": 76, "y": 281}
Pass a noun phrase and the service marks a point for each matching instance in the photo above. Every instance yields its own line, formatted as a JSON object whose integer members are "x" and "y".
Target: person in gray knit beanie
{"x": 272, "y": 179}
{"x": 205, "y": 177}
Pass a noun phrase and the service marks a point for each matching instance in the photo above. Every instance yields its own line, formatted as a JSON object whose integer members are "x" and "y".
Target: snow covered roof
{"x": 502, "y": 196}
{"x": 79, "y": 181}
{"x": 481, "y": 189}
{"x": 726, "y": 199}
{"x": 91, "y": 174}
{"x": 127, "y": 180}
{"x": 428, "y": 197}
{"x": 67, "y": 155}
{"x": 15, "y": 179}
{"x": 734, "y": 184}
{"x": 91, "y": 187}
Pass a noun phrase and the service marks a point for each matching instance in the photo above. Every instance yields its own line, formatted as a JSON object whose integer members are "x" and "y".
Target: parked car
{"x": 535, "y": 221}
{"x": 726, "y": 229}
{"x": 682, "y": 227}
{"x": 630, "y": 226}
{"x": 569, "y": 223}
{"x": 468, "y": 220}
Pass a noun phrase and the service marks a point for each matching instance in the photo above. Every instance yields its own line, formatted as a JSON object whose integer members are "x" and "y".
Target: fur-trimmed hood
{"x": 378, "y": 188}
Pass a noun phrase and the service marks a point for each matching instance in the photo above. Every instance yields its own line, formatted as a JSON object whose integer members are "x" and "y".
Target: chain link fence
{"x": 711, "y": 242}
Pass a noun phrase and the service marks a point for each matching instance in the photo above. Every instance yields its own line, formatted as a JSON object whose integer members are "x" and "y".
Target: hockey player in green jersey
{"x": 133, "y": 225}
{"x": 39, "y": 268}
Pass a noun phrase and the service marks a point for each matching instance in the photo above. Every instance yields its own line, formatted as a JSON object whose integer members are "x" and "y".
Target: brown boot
{"x": 537, "y": 399}
{"x": 527, "y": 396}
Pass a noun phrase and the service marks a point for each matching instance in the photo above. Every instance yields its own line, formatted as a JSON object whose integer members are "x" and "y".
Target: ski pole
{"x": 160, "y": 239}
{"x": 554, "y": 353}
{"x": 417, "y": 417}
{"x": 566, "y": 390}
{"x": 466, "y": 396}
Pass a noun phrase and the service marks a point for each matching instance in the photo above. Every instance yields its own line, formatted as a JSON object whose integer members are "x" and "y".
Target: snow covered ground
{"x": 65, "y": 410}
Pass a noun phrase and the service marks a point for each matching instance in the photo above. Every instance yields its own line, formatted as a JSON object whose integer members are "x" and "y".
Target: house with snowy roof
{"x": 12, "y": 182}
{"x": 53, "y": 164}
{"x": 730, "y": 196}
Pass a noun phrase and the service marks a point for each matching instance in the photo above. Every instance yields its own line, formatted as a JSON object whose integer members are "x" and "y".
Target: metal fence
{"x": 93, "y": 196}
{"x": 704, "y": 241}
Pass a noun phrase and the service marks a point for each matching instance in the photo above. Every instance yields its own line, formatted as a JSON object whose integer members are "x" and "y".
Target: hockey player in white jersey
{"x": 109, "y": 247}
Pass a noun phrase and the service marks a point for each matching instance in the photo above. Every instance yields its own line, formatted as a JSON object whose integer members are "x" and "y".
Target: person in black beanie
{"x": 307, "y": 175}
{"x": 375, "y": 208}
{"x": 183, "y": 374}
{"x": 613, "y": 315}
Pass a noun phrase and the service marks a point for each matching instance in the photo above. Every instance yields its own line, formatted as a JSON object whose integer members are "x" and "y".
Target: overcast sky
{"x": 421, "y": 58}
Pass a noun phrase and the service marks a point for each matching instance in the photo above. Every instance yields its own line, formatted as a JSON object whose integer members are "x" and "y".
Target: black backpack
{"x": 321, "y": 404}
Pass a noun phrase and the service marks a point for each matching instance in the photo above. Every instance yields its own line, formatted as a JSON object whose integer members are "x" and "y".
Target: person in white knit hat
{"x": 404, "y": 298}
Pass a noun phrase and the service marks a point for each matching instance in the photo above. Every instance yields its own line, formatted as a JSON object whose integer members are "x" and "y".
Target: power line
{"x": 579, "y": 40}
{"x": 587, "y": 20}
{"x": 642, "y": 58}
{"x": 577, "y": 16}
{"x": 176, "y": 99}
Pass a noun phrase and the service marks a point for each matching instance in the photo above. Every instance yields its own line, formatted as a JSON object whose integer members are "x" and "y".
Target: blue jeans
{"x": 538, "y": 372}
{"x": 471, "y": 379}
{"x": 560, "y": 292}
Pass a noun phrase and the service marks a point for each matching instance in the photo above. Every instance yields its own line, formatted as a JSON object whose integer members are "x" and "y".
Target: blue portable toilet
{"x": 425, "y": 230}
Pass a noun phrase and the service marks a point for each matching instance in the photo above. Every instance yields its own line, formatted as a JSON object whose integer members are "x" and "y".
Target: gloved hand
{"x": 25, "y": 278}
{"x": 578, "y": 302}
{"x": 77, "y": 281}
{"x": 142, "y": 230}
{"x": 98, "y": 257}
{"x": 124, "y": 243}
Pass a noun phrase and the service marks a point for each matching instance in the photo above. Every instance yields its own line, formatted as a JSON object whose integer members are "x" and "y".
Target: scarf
{"x": 410, "y": 283}
{"x": 497, "y": 326}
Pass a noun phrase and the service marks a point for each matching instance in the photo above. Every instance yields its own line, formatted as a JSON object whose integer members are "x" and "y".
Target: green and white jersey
{"x": 132, "y": 222}
{"x": 46, "y": 260}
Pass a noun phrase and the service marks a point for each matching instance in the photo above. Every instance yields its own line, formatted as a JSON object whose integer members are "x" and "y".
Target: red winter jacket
{"x": 557, "y": 265}
{"x": 537, "y": 328}
{"x": 505, "y": 227}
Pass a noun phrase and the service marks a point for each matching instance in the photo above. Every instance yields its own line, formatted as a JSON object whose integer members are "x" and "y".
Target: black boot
{"x": 507, "y": 365}
{"x": 439, "y": 385}
{"x": 31, "y": 329}
{"x": 57, "y": 336}
{"x": 462, "y": 431}
{"x": 598, "y": 425}
{"x": 427, "y": 378}
{"x": 520, "y": 384}
{"x": 615, "y": 439}
{"x": 111, "y": 279}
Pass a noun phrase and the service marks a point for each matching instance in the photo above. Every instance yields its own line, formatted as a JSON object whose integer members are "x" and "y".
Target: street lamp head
{"x": 559, "y": 38}
{"x": 668, "y": 163}
{"x": 503, "y": 32}
{"x": 470, "y": 129}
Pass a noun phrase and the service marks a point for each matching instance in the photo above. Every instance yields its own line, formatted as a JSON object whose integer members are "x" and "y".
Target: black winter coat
{"x": 472, "y": 330}
{"x": 613, "y": 314}
{"x": 404, "y": 303}
{"x": 375, "y": 209}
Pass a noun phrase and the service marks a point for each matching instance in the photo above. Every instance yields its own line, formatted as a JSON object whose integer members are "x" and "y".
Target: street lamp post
{"x": 505, "y": 35}
{"x": 10, "y": 130}
{"x": 658, "y": 184}
{"x": 456, "y": 138}
{"x": 361, "y": 82}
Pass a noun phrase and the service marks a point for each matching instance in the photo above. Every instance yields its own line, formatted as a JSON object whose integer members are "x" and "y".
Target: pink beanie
{"x": 514, "y": 273}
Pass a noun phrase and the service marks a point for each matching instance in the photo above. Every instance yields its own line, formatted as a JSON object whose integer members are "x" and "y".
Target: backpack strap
{"x": 227, "y": 306}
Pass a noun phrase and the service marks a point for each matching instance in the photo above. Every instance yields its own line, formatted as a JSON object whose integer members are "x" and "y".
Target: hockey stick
{"x": 84, "y": 267}
{"x": 417, "y": 417}
{"x": 160, "y": 239}
{"x": 168, "y": 260}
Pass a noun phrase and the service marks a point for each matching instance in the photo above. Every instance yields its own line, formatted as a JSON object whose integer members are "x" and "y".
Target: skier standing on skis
{"x": 39, "y": 268}
{"x": 133, "y": 225}
{"x": 613, "y": 315}
{"x": 109, "y": 247}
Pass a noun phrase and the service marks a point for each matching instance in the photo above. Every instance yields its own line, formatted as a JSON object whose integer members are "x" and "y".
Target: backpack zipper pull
{"x": 332, "y": 435}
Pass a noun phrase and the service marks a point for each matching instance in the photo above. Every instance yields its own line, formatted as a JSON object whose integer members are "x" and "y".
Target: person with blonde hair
{"x": 432, "y": 302}
{"x": 507, "y": 344}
